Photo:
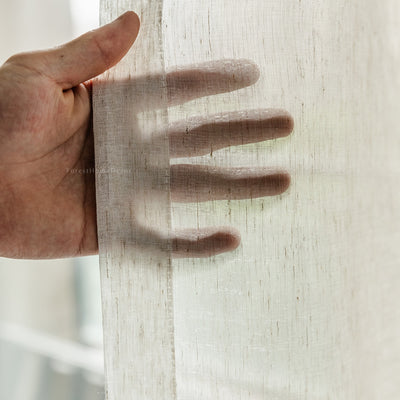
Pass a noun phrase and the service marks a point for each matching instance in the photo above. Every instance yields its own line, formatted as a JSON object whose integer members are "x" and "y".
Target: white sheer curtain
{"x": 307, "y": 307}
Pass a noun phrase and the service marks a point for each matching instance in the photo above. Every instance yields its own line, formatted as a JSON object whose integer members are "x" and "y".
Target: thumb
{"x": 92, "y": 53}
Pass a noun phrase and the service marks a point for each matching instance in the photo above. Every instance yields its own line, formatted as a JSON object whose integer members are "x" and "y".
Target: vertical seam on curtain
{"x": 170, "y": 281}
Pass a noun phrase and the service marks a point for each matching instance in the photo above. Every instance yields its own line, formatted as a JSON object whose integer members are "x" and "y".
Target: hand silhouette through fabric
{"x": 46, "y": 132}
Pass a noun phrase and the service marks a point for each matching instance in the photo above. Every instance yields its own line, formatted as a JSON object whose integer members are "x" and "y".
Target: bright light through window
{"x": 85, "y": 15}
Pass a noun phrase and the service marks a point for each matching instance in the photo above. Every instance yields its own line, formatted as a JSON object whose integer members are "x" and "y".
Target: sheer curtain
{"x": 307, "y": 306}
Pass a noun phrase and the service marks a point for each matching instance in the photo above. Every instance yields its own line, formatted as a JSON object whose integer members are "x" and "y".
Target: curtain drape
{"x": 307, "y": 307}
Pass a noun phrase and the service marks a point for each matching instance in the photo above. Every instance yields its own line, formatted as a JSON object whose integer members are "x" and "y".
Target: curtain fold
{"x": 133, "y": 211}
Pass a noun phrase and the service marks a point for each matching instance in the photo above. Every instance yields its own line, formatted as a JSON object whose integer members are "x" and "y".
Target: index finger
{"x": 179, "y": 85}
{"x": 191, "y": 82}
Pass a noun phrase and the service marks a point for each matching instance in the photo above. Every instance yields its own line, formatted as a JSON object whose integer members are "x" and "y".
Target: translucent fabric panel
{"x": 132, "y": 184}
{"x": 307, "y": 306}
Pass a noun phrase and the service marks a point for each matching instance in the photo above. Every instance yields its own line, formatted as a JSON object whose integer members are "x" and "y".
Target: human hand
{"x": 46, "y": 132}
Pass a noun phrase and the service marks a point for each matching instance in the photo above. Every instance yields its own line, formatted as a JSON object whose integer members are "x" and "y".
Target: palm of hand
{"x": 46, "y": 211}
